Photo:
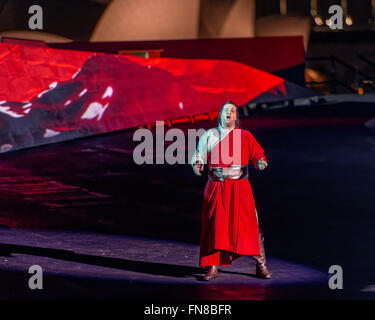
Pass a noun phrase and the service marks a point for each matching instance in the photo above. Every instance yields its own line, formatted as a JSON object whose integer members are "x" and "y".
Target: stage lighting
{"x": 283, "y": 7}
{"x": 314, "y": 8}
{"x": 318, "y": 20}
{"x": 348, "y": 20}
{"x": 328, "y": 22}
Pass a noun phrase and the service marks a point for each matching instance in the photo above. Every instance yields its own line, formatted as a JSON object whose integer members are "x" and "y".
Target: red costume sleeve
{"x": 255, "y": 150}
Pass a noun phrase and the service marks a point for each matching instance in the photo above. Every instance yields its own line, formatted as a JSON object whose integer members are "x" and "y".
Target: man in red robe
{"x": 229, "y": 219}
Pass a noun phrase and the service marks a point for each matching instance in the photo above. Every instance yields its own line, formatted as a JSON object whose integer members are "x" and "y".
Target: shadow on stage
{"x": 152, "y": 268}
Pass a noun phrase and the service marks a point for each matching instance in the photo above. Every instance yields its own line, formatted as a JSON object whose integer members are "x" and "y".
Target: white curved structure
{"x": 34, "y": 35}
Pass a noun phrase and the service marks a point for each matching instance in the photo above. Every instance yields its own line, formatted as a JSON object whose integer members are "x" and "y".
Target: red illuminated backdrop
{"x": 49, "y": 95}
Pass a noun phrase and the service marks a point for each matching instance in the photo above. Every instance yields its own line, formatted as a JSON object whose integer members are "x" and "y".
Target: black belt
{"x": 231, "y": 172}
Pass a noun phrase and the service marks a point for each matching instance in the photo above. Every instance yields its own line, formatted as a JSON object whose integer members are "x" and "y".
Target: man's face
{"x": 228, "y": 116}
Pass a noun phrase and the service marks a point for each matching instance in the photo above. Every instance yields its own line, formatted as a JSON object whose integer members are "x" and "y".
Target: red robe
{"x": 229, "y": 218}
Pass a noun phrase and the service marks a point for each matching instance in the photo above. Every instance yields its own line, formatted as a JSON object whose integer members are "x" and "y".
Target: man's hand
{"x": 197, "y": 167}
{"x": 261, "y": 164}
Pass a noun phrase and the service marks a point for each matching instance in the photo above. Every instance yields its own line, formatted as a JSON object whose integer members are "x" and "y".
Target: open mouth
{"x": 228, "y": 117}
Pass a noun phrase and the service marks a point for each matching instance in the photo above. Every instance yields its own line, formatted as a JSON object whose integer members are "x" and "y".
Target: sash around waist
{"x": 231, "y": 172}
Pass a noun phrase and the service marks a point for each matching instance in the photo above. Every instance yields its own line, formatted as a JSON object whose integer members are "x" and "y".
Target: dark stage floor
{"x": 102, "y": 227}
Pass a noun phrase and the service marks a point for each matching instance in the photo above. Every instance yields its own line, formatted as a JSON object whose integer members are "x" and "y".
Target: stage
{"x": 102, "y": 227}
